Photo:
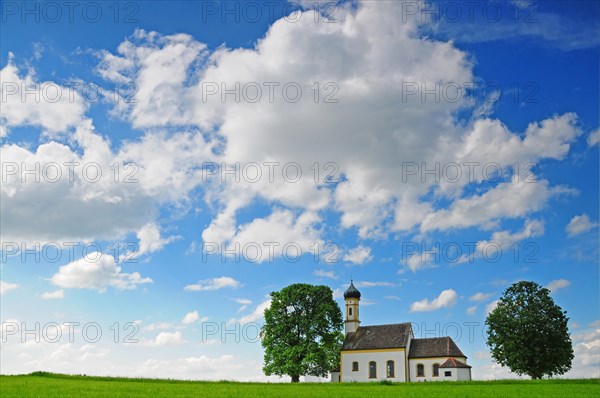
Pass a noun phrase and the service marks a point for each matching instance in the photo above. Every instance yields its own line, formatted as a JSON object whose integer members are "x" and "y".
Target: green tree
{"x": 528, "y": 332}
{"x": 302, "y": 332}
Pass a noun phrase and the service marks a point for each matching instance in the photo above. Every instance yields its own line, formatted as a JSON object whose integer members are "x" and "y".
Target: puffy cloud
{"x": 491, "y": 306}
{"x": 367, "y": 211}
{"x": 479, "y": 296}
{"x": 6, "y": 287}
{"x": 359, "y": 255}
{"x": 255, "y": 315}
{"x": 586, "y": 348}
{"x": 159, "y": 67}
{"x": 490, "y": 139}
{"x": 57, "y": 294}
{"x": 70, "y": 201}
{"x": 504, "y": 240}
{"x": 151, "y": 240}
{"x": 190, "y": 317}
{"x": 594, "y": 137}
{"x": 531, "y": 229}
{"x": 579, "y": 225}
{"x": 282, "y": 233}
{"x": 365, "y": 138}
{"x": 419, "y": 261}
{"x": 484, "y": 248}
{"x": 214, "y": 284}
{"x": 325, "y": 274}
{"x": 26, "y": 101}
{"x": 338, "y": 293}
{"x": 471, "y": 310}
{"x": 446, "y": 298}
{"x": 557, "y": 284}
{"x": 494, "y": 152}
{"x": 96, "y": 271}
{"x": 371, "y": 63}
{"x": 508, "y": 199}
{"x": 157, "y": 170}
{"x": 166, "y": 338}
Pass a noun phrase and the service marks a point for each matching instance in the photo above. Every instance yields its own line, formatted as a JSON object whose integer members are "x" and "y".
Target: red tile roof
{"x": 454, "y": 363}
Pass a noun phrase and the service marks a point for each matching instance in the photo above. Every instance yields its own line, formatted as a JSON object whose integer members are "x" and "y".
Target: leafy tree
{"x": 528, "y": 332}
{"x": 302, "y": 332}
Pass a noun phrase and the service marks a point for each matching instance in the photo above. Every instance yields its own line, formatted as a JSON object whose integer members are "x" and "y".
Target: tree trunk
{"x": 295, "y": 378}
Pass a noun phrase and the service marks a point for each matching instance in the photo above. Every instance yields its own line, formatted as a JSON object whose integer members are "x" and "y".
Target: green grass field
{"x": 54, "y": 385}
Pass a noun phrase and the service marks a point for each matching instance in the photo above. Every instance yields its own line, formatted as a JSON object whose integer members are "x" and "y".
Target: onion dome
{"x": 352, "y": 292}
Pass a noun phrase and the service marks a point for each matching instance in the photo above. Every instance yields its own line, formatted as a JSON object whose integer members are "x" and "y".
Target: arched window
{"x": 355, "y": 366}
{"x": 420, "y": 370}
{"x": 436, "y": 369}
{"x": 372, "y": 370}
{"x": 350, "y": 311}
{"x": 390, "y": 369}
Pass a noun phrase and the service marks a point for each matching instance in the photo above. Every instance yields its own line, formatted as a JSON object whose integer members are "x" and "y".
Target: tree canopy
{"x": 302, "y": 332}
{"x": 528, "y": 332}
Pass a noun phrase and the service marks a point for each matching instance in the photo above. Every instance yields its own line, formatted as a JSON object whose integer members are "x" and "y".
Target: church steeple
{"x": 352, "y": 297}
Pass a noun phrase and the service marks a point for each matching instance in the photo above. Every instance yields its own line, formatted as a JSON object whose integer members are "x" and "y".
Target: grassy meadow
{"x": 41, "y": 384}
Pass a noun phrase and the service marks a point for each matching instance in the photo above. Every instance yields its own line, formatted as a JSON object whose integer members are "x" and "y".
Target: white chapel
{"x": 391, "y": 352}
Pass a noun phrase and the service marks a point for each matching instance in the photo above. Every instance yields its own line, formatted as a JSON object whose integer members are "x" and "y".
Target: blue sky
{"x": 460, "y": 141}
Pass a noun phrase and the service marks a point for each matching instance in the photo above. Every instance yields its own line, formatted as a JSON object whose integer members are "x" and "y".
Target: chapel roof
{"x": 454, "y": 363}
{"x": 378, "y": 337}
{"x": 434, "y": 347}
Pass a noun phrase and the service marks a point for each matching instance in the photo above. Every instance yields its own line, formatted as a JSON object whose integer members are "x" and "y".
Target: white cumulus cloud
{"x": 325, "y": 274}
{"x": 557, "y": 284}
{"x": 26, "y": 101}
{"x": 358, "y": 255}
{"x": 57, "y": 294}
{"x": 96, "y": 271}
{"x": 190, "y": 317}
{"x": 255, "y": 315}
{"x": 579, "y": 225}
{"x": 446, "y": 298}
{"x": 214, "y": 284}
{"x": 479, "y": 296}
{"x": 6, "y": 287}
{"x": 594, "y": 137}
{"x": 151, "y": 240}
{"x": 165, "y": 339}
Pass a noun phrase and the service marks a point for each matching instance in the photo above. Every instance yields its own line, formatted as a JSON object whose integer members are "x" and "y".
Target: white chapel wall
{"x": 381, "y": 358}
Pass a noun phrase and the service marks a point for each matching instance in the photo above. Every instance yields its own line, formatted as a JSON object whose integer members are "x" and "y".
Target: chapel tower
{"x": 352, "y": 297}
